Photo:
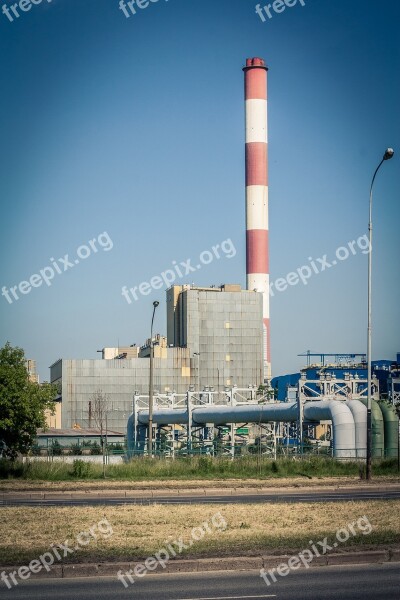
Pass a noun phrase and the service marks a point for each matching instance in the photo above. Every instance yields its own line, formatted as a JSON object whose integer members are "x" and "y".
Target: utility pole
{"x": 151, "y": 386}
{"x": 387, "y": 156}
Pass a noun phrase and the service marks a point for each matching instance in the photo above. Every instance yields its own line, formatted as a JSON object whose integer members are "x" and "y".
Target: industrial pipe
{"x": 359, "y": 412}
{"x": 344, "y": 435}
{"x": 391, "y": 429}
{"x": 344, "y": 428}
{"x": 377, "y": 429}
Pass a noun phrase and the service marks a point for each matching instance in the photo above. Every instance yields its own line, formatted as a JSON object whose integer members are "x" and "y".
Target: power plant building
{"x": 78, "y": 380}
{"x": 214, "y": 340}
{"x": 223, "y": 328}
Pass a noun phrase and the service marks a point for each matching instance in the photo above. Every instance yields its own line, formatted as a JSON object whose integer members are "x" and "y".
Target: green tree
{"x": 22, "y": 403}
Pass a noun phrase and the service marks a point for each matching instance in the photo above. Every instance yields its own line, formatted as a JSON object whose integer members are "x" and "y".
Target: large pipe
{"x": 284, "y": 412}
{"x": 344, "y": 435}
{"x": 344, "y": 430}
{"x": 219, "y": 415}
{"x": 391, "y": 429}
{"x": 257, "y": 248}
{"x": 165, "y": 416}
{"x": 359, "y": 412}
{"x": 378, "y": 430}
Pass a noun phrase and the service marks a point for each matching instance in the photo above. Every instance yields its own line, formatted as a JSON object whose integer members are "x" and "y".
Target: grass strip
{"x": 140, "y": 531}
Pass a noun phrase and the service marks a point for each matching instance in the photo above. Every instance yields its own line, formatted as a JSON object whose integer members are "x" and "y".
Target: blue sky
{"x": 135, "y": 127}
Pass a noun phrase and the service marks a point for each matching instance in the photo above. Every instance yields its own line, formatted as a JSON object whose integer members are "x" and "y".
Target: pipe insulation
{"x": 391, "y": 429}
{"x": 359, "y": 412}
{"x": 219, "y": 415}
{"x": 344, "y": 431}
{"x": 255, "y": 413}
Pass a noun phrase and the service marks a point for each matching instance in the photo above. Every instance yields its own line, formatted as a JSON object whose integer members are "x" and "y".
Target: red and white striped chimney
{"x": 257, "y": 250}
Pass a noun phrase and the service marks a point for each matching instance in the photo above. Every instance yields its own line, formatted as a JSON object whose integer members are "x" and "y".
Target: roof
{"x": 84, "y": 432}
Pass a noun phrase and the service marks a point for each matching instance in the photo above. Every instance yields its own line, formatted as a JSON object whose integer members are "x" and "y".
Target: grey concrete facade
{"x": 222, "y": 327}
{"x": 78, "y": 380}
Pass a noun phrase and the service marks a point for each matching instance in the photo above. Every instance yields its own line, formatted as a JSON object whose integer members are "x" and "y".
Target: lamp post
{"x": 387, "y": 156}
{"x": 150, "y": 436}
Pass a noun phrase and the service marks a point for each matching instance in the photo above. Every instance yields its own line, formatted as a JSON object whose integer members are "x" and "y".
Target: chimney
{"x": 257, "y": 247}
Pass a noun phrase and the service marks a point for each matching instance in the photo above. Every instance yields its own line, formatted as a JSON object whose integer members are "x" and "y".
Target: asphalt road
{"x": 317, "y": 496}
{"x": 375, "y": 582}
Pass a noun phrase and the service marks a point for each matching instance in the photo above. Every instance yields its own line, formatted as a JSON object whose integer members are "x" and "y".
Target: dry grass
{"x": 140, "y": 531}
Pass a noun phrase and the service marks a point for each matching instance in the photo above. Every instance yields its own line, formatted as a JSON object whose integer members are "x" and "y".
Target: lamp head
{"x": 155, "y": 303}
{"x": 388, "y": 154}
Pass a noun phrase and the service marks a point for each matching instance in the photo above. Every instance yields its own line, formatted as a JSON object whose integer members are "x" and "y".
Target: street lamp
{"x": 387, "y": 156}
{"x": 150, "y": 436}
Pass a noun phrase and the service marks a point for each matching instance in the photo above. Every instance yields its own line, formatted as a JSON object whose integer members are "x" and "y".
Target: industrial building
{"x": 222, "y": 327}
{"x": 214, "y": 340}
{"x": 31, "y": 368}
{"x": 118, "y": 379}
{"x": 342, "y": 367}
{"x": 53, "y": 418}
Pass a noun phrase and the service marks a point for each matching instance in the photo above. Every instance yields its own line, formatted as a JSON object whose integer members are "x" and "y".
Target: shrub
{"x": 95, "y": 449}
{"x": 274, "y": 467}
{"x": 10, "y": 469}
{"x": 56, "y": 448}
{"x": 81, "y": 469}
{"x": 75, "y": 450}
{"x": 118, "y": 448}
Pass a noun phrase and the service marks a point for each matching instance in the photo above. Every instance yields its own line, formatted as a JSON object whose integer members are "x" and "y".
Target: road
{"x": 374, "y": 582}
{"x": 244, "y": 498}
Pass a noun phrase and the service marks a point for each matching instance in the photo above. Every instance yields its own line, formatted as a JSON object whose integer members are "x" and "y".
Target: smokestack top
{"x": 255, "y": 62}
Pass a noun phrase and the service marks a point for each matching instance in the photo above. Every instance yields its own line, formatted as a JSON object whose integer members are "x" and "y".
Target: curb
{"x": 235, "y": 563}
